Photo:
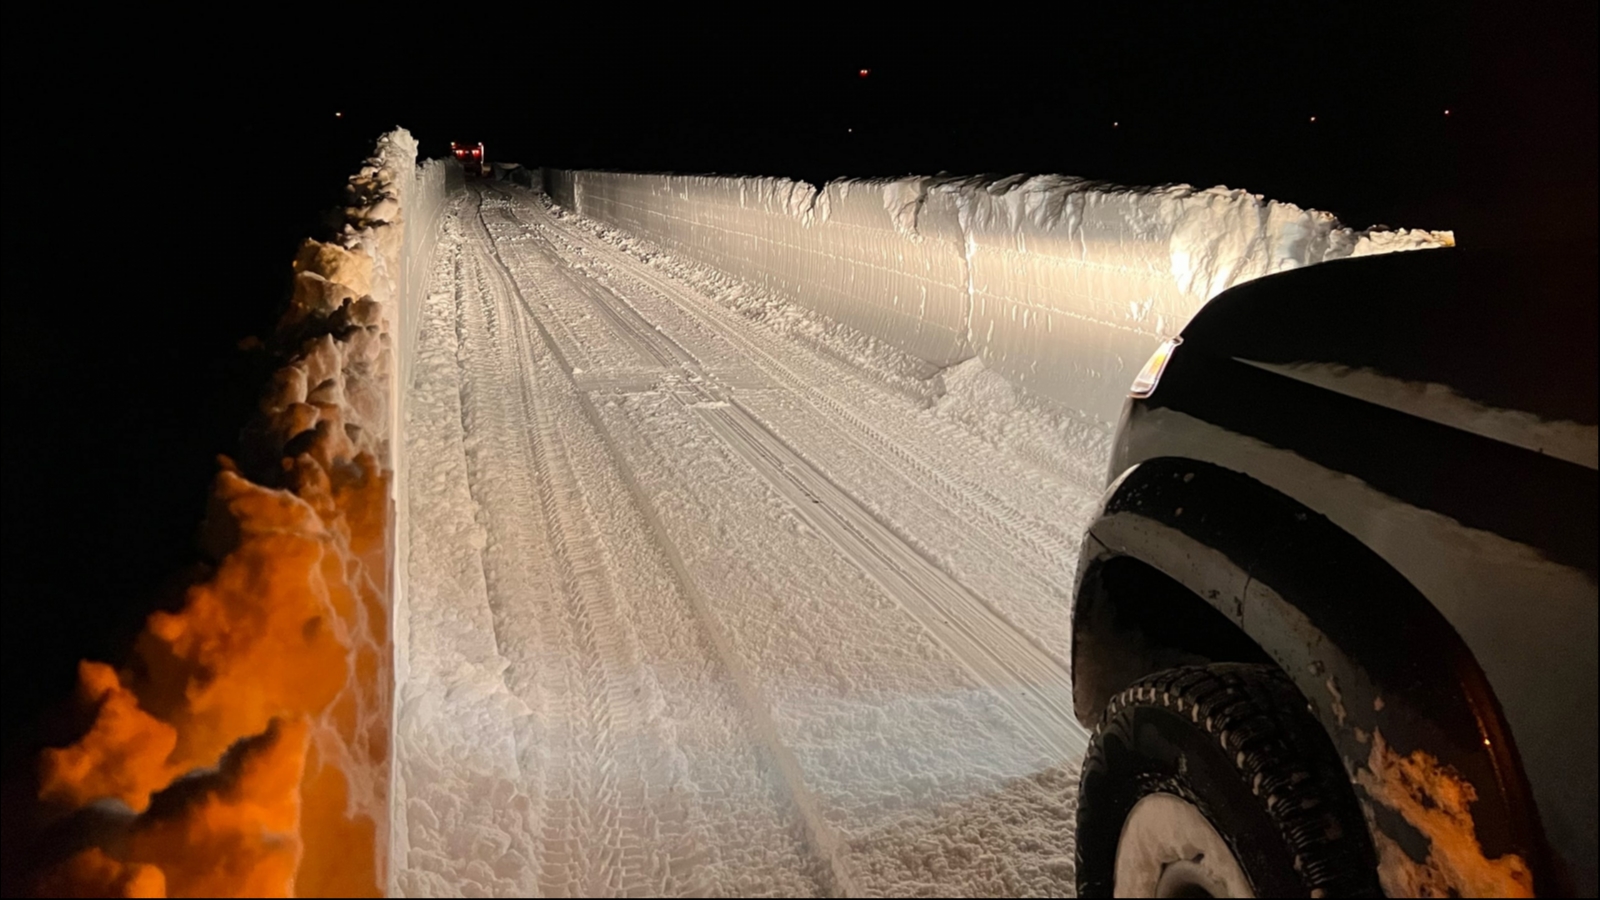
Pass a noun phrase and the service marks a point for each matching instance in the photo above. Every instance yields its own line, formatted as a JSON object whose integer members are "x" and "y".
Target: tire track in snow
{"x": 993, "y": 648}
{"x": 637, "y": 773}
{"x": 476, "y": 480}
{"x": 514, "y": 559}
{"x": 456, "y": 717}
{"x": 821, "y": 837}
{"x": 976, "y": 498}
{"x": 1025, "y": 678}
{"x": 798, "y": 480}
{"x": 597, "y": 799}
{"x": 963, "y": 499}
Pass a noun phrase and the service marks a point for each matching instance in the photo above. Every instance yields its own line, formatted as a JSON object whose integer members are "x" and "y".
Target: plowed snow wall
{"x": 561, "y": 185}
{"x": 1063, "y": 285}
{"x": 249, "y": 737}
{"x": 422, "y": 205}
{"x": 422, "y": 202}
{"x": 835, "y": 250}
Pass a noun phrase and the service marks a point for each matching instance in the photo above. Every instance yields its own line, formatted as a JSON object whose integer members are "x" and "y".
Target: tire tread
{"x": 1261, "y": 722}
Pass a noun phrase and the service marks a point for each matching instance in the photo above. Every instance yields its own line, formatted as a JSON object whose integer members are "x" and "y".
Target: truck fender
{"x": 1398, "y": 692}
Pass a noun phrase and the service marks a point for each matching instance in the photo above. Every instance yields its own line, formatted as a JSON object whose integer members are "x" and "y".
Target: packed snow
{"x": 743, "y": 520}
{"x": 709, "y": 593}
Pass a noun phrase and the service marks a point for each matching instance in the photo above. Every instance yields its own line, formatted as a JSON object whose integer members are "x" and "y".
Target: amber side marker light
{"x": 1145, "y": 383}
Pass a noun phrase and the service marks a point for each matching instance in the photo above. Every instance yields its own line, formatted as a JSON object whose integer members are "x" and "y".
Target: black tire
{"x": 1238, "y": 742}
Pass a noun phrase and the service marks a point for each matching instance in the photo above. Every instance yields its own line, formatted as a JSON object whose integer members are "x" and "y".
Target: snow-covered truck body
{"x": 1377, "y": 478}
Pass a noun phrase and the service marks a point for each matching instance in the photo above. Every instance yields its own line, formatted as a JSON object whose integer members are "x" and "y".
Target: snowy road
{"x": 707, "y": 596}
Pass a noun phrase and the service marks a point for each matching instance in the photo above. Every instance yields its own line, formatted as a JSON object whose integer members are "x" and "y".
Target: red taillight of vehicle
{"x": 1145, "y": 384}
{"x": 477, "y": 152}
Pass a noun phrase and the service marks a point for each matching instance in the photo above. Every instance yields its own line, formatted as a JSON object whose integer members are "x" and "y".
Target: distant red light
{"x": 864, "y": 72}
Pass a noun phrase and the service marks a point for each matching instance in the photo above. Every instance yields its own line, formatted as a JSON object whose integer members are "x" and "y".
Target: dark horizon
{"x": 1340, "y": 109}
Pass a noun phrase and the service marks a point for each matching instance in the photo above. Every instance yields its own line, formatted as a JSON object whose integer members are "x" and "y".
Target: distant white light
{"x": 338, "y": 115}
{"x": 1447, "y": 112}
{"x": 1116, "y": 124}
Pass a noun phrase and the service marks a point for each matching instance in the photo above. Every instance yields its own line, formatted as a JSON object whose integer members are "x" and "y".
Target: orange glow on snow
{"x": 277, "y": 657}
{"x": 92, "y": 873}
{"x": 250, "y": 732}
{"x": 124, "y": 755}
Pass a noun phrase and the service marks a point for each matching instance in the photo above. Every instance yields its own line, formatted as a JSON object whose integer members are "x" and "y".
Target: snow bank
{"x": 423, "y": 200}
{"x": 836, "y": 250}
{"x": 1062, "y": 285}
{"x": 255, "y": 721}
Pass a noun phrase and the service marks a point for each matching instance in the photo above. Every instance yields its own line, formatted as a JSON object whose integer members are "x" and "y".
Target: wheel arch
{"x": 1255, "y": 575}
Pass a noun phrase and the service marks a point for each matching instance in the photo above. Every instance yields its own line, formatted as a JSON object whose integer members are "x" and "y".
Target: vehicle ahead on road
{"x": 1335, "y": 622}
{"x": 471, "y": 158}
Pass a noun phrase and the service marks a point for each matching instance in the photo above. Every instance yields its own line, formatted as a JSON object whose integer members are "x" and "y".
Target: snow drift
{"x": 245, "y": 749}
{"x": 1062, "y": 285}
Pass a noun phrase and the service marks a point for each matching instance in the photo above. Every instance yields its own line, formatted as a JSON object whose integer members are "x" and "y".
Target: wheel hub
{"x": 1169, "y": 849}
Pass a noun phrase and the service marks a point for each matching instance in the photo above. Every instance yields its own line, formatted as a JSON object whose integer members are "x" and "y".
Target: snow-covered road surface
{"x": 709, "y": 596}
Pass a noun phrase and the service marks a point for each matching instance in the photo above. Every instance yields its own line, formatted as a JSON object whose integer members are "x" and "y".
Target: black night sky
{"x": 159, "y": 177}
